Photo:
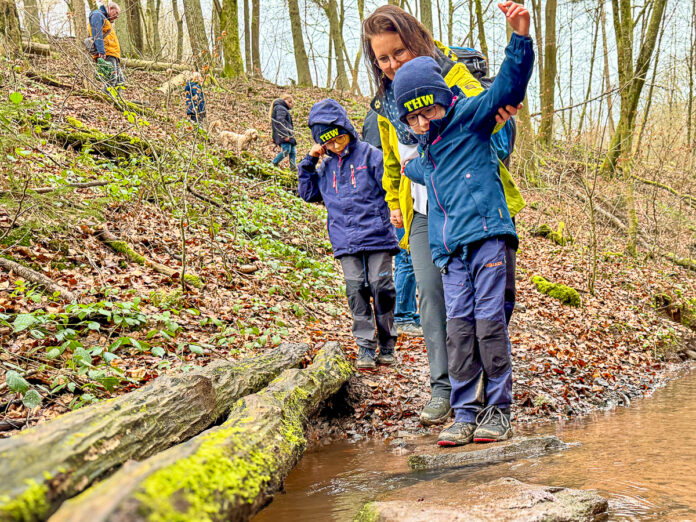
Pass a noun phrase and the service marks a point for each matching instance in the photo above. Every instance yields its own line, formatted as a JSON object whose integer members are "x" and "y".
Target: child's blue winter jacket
{"x": 195, "y": 100}
{"x": 350, "y": 186}
{"x": 459, "y": 167}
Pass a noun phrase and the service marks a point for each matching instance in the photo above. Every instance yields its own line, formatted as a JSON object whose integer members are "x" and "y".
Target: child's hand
{"x": 317, "y": 151}
{"x": 517, "y": 16}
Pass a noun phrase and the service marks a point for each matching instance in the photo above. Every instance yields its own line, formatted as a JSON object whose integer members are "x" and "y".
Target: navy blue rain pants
{"x": 477, "y": 336}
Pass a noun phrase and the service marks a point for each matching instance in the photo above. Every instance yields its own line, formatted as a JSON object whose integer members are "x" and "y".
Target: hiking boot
{"x": 365, "y": 360}
{"x": 409, "y": 329}
{"x": 493, "y": 425}
{"x": 457, "y": 434}
{"x": 436, "y": 411}
{"x": 386, "y": 358}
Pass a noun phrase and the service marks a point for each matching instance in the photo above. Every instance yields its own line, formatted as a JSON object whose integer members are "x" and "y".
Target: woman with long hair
{"x": 390, "y": 38}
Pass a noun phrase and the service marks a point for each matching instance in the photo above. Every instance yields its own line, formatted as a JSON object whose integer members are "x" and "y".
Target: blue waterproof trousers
{"x": 477, "y": 336}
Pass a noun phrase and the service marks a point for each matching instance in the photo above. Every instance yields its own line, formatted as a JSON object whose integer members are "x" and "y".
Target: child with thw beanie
{"x": 469, "y": 225}
{"x": 349, "y": 182}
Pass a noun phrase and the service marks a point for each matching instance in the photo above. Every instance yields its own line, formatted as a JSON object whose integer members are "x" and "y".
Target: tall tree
{"x": 479, "y": 25}
{"x": 31, "y": 21}
{"x": 196, "y": 30}
{"x": 301, "y": 61}
{"x": 247, "y": 39}
{"x": 153, "y": 33}
{"x": 179, "y": 30}
{"x": 10, "y": 34}
{"x": 229, "y": 22}
{"x": 606, "y": 76}
{"x": 332, "y": 12}
{"x": 632, "y": 74}
{"x": 135, "y": 25}
{"x": 547, "y": 66}
{"x": 426, "y": 12}
{"x": 79, "y": 18}
{"x": 255, "y": 22}
{"x": 216, "y": 30}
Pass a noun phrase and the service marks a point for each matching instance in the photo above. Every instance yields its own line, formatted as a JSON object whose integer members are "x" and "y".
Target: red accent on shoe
{"x": 485, "y": 440}
{"x": 446, "y": 443}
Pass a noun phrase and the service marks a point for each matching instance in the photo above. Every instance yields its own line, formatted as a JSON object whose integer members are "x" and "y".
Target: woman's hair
{"x": 392, "y": 19}
{"x": 285, "y": 97}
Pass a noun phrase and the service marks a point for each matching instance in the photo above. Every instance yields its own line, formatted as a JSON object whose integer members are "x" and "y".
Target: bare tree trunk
{"x": 153, "y": 37}
{"x": 692, "y": 57}
{"x": 450, "y": 20}
{"x": 135, "y": 26}
{"x": 606, "y": 74}
{"x": 247, "y": 40}
{"x": 592, "y": 62}
{"x": 229, "y": 21}
{"x": 216, "y": 35}
{"x": 179, "y": 30}
{"x": 439, "y": 20}
{"x": 304, "y": 77}
{"x": 32, "y": 21}
{"x": 548, "y": 83}
{"x": 426, "y": 12}
{"x": 196, "y": 30}
{"x": 255, "y": 54}
{"x": 79, "y": 19}
{"x": 330, "y": 65}
{"x": 10, "y": 33}
{"x": 330, "y": 8}
{"x": 479, "y": 26}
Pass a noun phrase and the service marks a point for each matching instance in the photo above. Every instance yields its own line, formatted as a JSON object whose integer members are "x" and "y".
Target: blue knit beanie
{"x": 323, "y": 133}
{"x": 419, "y": 83}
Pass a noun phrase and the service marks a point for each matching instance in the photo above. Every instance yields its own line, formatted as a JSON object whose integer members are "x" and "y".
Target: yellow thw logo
{"x": 417, "y": 103}
{"x": 328, "y": 135}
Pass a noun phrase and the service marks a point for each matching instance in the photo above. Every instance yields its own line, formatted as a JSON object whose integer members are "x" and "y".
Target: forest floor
{"x": 268, "y": 273}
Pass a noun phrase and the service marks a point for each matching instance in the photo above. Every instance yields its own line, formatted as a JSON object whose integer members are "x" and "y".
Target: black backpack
{"x": 476, "y": 62}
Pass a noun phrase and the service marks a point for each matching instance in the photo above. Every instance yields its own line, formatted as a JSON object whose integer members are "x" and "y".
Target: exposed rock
{"x": 443, "y": 458}
{"x": 503, "y": 499}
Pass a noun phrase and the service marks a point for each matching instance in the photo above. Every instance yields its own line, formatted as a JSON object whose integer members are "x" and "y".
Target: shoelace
{"x": 493, "y": 415}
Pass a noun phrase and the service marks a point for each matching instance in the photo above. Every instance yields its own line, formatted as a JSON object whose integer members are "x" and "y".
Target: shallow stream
{"x": 642, "y": 458}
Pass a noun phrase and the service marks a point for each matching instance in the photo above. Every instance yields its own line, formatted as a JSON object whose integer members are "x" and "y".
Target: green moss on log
{"x": 565, "y": 294}
{"x": 32, "y": 504}
{"x": 252, "y": 167}
{"x": 557, "y": 236}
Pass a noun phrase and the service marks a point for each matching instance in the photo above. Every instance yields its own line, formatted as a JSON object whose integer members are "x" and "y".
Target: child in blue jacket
{"x": 349, "y": 182}
{"x": 469, "y": 225}
{"x": 195, "y": 99}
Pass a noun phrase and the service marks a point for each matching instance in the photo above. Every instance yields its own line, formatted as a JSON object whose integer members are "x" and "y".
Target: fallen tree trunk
{"x": 132, "y": 63}
{"x": 229, "y": 472}
{"x": 38, "y": 278}
{"x": 56, "y": 460}
{"x": 286, "y": 179}
{"x": 36, "y": 48}
{"x": 107, "y": 145}
{"x": 89, "y": 184}
{"x": 121, "y": 247}
{"x": 688, "y": 199}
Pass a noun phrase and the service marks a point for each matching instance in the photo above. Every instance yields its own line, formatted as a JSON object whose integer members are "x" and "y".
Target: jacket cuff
{"x": 517, "y": 41}
{"x": 312, "y": 159}
{"x": 393, "y": 205}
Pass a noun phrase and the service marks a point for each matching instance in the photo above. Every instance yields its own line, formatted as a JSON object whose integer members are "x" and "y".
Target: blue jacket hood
{"x": 329, "y": 112}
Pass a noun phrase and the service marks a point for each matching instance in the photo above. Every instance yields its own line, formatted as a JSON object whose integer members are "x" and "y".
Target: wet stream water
{"x": 642, "y": 458}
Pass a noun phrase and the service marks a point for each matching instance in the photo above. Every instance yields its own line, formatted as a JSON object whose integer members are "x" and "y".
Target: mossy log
{"x": 36, "y": 277}
{"x": 36, "y": 48}
{"x": 229, "y": 472}
{"x": 44, "y": 465}
{"x": 123, "y": 248}
{"x": 246, "y": 164}
{"x": 565, "y": 294}
{"x": 108, "y": 145}
{"x": 556, "y": 236}
{"x": 118, "y": 102}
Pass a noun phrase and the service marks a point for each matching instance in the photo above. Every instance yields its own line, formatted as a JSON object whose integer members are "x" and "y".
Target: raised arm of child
{"x": 510, "y": 84}
{"x": 308, "y": 184}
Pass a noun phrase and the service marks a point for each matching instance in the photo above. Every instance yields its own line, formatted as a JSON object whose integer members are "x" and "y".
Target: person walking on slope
{"x": 195, "y": 99}
{"x": 469, "y": 224}
{"x": 349, "y": 182}
{"x": 108, "y": 49}
{"x": 406, "y": 316}
{"x": 283, "y": 130}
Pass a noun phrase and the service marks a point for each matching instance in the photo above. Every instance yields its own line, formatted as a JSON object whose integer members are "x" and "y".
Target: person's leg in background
{"x": 406, "y": 315}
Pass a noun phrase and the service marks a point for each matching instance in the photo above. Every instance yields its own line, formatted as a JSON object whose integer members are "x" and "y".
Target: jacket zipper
{"x": 352, "y": 175}
{"x": 334, "y": 182}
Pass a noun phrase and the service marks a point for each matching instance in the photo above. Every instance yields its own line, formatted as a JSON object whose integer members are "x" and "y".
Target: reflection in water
{"x": 642, "y": 458}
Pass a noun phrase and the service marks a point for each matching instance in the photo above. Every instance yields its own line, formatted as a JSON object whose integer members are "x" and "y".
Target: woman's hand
{"x": 397, "y": 219}
{"x": 517, "y": 16}
{"x": 317, "y": 151}
{"x": 507, "y": 112}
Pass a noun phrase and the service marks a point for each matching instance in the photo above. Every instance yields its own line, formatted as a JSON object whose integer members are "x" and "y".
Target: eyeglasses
{"x": 400, "y": 55}
{"x": 427, "y": 113}
{"x": 339, "y": 140}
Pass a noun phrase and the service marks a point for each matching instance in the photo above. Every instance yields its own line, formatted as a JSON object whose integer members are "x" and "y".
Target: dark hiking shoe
{"x": 493, "y": 425}
{"x": 386, "y": 358}
{"x": 365, "y": 360}
{"x": 437, "y": 411}
{"x": 457, "y": 434}
{"x": 409, "y": 329}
